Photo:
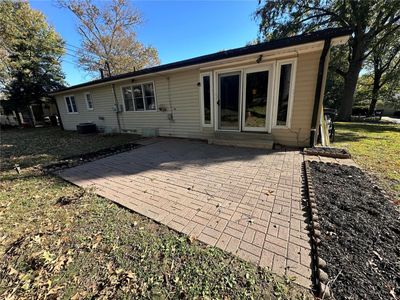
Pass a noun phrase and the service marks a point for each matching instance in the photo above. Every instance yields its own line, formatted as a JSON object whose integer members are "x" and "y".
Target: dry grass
{"x": 29, "y": 147}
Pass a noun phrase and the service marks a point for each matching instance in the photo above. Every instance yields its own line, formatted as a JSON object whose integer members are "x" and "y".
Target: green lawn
{"x": 87, "y": 247}
{"x": 376, "y": 148}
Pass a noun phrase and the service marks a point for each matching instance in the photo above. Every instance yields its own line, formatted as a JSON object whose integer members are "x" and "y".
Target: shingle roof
{"x": 237, "y": 52}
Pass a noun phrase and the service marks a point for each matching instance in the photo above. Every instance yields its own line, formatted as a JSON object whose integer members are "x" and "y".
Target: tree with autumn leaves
{"x": 31, "y": 50}
{"x": 108, "y": 37}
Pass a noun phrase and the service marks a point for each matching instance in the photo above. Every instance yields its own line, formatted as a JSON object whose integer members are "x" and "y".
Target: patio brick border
{"x": 321, "y": 278}
{"x": 76, "y": 161}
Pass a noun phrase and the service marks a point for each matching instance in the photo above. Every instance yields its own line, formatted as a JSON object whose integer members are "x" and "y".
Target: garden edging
{"x": 319, "y": 264}
{"x": 87, "y": 157}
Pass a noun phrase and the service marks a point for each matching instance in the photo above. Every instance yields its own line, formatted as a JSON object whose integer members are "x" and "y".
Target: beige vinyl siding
{"x": 305, "y": 83}
{"x": 177, "y": 92}
{"x": 181, "y": 95}
{"x": 103, "y": 102}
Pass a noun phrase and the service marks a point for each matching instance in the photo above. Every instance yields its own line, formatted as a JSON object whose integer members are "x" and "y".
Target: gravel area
{"x": 360, "y": 233}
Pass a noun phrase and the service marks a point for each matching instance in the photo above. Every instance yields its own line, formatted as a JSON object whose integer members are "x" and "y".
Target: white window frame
{"x": 270, "y": 67}
{"x": 87, "y": 103}
{"x": 66, "y": 104}
{"x": 279, "y": 63}
{"x": 133, "y": 97}
{"x": 203, "y": 123}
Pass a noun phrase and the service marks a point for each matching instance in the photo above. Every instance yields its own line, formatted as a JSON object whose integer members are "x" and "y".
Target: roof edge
{"x": 306, "y": 38}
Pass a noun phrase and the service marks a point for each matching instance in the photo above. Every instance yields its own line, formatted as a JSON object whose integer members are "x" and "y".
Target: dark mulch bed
{"x": 360, "y": 233}
{"x": 328, "y": 152}
{"x": 73, "y": 160}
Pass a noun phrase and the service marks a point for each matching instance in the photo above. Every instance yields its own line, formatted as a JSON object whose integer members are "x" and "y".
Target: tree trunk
{"x": 375, "y": 92}
{"x": 351, "y": 78}
{"x": 350, "y": 84}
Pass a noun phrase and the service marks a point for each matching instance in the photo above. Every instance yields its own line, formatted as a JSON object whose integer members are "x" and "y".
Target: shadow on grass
{"x": 353, "y": 132}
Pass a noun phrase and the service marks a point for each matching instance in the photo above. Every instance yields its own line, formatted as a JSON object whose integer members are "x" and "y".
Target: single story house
{"x": 253, "y": 96}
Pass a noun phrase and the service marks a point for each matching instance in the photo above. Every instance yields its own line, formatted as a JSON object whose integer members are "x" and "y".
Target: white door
{"x": 257, "y": 99}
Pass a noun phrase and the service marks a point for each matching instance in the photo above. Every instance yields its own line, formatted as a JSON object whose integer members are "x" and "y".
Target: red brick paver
{"x": 244, "y": 201}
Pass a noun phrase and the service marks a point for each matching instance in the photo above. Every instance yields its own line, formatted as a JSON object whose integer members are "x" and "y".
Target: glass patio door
{"x": 257, "y": 99}
{"x": 229, "y": 101}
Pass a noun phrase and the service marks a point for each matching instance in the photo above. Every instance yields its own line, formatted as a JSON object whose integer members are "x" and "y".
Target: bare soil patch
{"x": 360, "y": 233}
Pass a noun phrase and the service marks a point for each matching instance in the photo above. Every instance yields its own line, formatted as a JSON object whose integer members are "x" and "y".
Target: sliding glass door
{"x": 244, "y": 99}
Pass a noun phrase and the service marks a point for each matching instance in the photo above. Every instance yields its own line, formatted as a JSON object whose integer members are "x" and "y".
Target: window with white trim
{"x": 284, "y": 97}
{"x": 206, "y": 102}
{"x": 139, "y": 97}
{"x": 71, "y": 104}
{"x": 89, "y": 101}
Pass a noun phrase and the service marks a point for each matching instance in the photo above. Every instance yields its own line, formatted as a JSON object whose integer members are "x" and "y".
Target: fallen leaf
{"x": 13, "y": 271}
{"x": 79, "y": 295}
{"x": 97, "y": 241}
{"x": 268, "y": 193}
{"x": 130, "y": 275}
{"x": 54, "y": 290}
{"x": 48, "y": 257}
{"x": 110, "y": 268}
{"x": 119, "y": 271}
{"x": 192, "y": 238}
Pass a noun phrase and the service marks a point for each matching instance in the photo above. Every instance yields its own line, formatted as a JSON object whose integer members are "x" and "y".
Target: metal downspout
{"x": 117, "y": 107}
{"x": 318, "y": 90}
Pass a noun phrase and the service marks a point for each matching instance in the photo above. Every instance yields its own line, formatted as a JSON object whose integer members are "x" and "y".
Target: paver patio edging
{"x": 73, "y": 162}
{"x": 319, "y": 264}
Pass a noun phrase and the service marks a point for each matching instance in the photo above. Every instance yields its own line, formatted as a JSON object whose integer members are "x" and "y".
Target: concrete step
{"x": 248, "y": 143}
{"x": 262, "y": 136}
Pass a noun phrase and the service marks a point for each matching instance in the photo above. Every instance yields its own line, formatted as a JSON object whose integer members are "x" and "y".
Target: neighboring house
{"x": 252, "y": 96}
{"x": 8, "y": 118}
{"x": 33, "y": 115}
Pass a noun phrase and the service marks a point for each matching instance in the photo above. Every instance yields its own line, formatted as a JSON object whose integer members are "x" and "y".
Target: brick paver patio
{"x": 245, "y": 201}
